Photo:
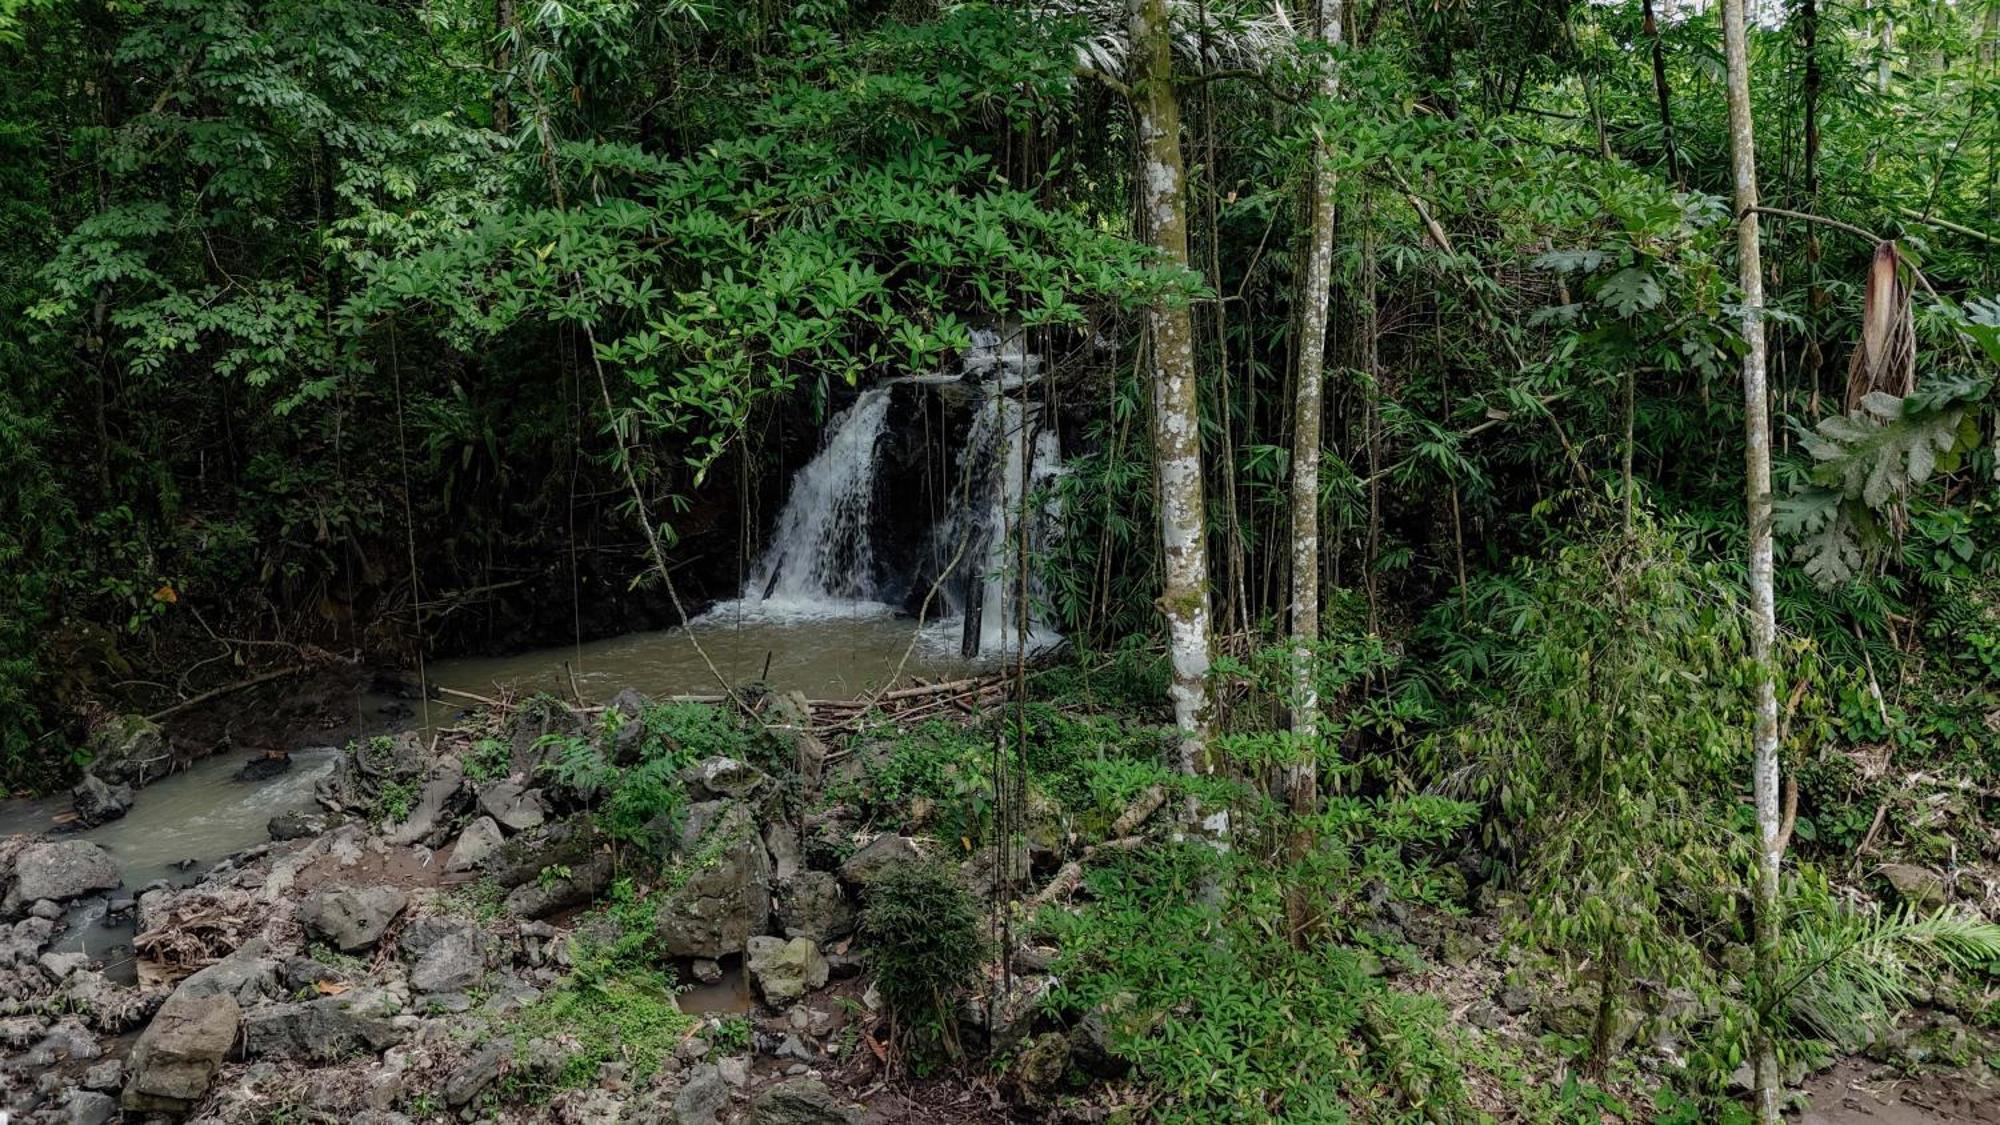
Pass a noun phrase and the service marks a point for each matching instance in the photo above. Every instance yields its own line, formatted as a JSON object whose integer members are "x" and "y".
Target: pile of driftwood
{"x": 195, "y": 933}
{"x": 969, "y": 696}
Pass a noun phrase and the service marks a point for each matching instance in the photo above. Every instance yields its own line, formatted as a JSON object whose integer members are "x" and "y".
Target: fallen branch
{"x": 231, "y": 689}
{"x": 1135, "y": 814}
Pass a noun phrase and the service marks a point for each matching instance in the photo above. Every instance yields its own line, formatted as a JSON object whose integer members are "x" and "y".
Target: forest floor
{"x": 525, "y": 984}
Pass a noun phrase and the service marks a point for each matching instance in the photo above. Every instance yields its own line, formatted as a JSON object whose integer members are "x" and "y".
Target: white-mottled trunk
{"x": 1757, "y": 488}
{"x": 1315, "y": 295}
{"x": 1176, "y": 414}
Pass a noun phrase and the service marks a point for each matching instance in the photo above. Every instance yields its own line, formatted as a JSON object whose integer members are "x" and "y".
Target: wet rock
{"x": 561, "y": 887}
{"x": 479, "y": 1072}
{"x": 512, "y": 806}
{"x": 721, "y": 778}
{"x": 129, "y": 750}
{"x": 61, "y": 869}
{"x": 97, "y": 801}
{"x": 784, "y": 970}
{"x": 726, "y": 897}
{"x": 881, "y": 854}
{"x": 812, "y": 905}
{"x": 322, "y": 1030}
{"x": 88, "y": 1107}
{"x": 300, "y": 825}
{"x": 46, "y": 908}
{"x": 800, "y": 1101}
{"x": 1919, "y": 887}
{"x": 480, "y": 839}
{"x": 245, "y": 976}
{"x": 453, "y": 963}
{"x": 433, "y": 801}
{"x": 352, "y": 920}
{"x": 705, "y": 970}
{"x": 176, "y": 1057}
{"x": 702, "y": 1097}
{"x": 265, "y": 766}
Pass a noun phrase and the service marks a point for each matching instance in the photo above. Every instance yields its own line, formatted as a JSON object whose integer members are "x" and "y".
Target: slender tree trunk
{"x": 1757, "y": 487}
{"x": 1176, "y": 410}
{"x": 1315, "y": 295}
{"x": 1652, "y": 27}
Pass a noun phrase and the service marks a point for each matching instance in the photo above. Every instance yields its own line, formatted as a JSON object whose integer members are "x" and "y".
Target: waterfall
{"x": 1008, "y": 457}
{"x": 821, "y": 559}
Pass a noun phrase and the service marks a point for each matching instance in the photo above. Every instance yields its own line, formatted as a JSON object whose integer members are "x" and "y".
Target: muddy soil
{"x": 1856, "y": 1092}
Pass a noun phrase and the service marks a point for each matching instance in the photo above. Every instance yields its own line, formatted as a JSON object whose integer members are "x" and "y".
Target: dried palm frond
{"x": 1215, "y": 34}
{"x": 1886, "y": 358}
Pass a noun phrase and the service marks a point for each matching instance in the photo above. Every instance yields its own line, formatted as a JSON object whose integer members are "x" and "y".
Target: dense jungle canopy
{"x": 1410, "y": 362}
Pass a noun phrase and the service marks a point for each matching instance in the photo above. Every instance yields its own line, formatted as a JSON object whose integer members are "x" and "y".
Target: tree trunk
{"x": 1652, "y": 28}
{"x": 1315, "y": 295}
{"x": 1757, "y": 487}
{"x": 1176, "y": 411}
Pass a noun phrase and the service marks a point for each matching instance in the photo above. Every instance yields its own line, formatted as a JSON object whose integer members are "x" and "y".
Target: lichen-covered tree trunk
{"x": 1757, "y": 490}
{"x": 1176, "y": 414}
{"x": 1315, "y": 294}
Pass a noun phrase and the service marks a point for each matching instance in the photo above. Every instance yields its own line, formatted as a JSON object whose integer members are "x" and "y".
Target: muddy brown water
{"x": 827, "y": 652}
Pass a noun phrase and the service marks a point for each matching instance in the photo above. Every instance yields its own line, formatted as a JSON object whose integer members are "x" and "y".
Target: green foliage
{"x": 925, "y": 941}
{"x": 1223, "y": 1015}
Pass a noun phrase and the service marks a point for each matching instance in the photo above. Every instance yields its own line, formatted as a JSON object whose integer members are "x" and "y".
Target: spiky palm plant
{"x": 1213, "y": 34}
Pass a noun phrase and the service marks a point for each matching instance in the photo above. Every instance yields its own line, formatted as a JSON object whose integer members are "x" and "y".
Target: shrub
{"x": 924, "y": 941}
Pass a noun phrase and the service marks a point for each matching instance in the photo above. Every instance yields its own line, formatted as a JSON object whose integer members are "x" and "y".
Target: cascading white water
{"x": 821, "y": 559}
{"x": 1009, "y": 458}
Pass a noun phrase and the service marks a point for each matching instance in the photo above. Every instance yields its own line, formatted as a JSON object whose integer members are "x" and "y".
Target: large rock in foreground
{"x": 784, "y": 970}
{"x": 352, "y": 920}
{"x": 176, "y": 1057}
{"x": 60, "y": 869}
{"x": 725, "y": 899}
{"x": 800, "y": 1101}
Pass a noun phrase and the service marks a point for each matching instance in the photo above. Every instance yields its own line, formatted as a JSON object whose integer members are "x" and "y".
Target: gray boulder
{"x": 812, "y": 905}
{"x": 702, "y": 1097}
{"x": 722, "y": 778}
{"x": 322, "y": 1030}
{"x": 245, "y": 976}
{"x": 21, "y": 943}
{"x": 300, "y": 825}
{"x": 881, "y": 854}
{"x": 352, "y": 920}
{"x": 800, "y": 1101}
{"x": 725, "y": 898}
{"x": 88, "y": 1107}
{"x": 1919, "y": 887}
{"x": 512, "y": 806}
{"x": 561, "y": 887}
{"x": 97, "y": 801}
{"x": 62, "y": 869}
{"x": 480, "y": 839}
{"x": 432, "y": 802}
{"x": 453, "y": 963}
{"x": 784, "y": 970}
{"x": 177, "y": 1055}
{"x": 478, "y": 1072}
{"x": 129, "y": 750}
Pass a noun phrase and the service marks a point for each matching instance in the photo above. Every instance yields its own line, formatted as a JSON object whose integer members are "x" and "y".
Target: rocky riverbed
{"x": 403, "y": 967}
{"x": 475, "y": 923}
